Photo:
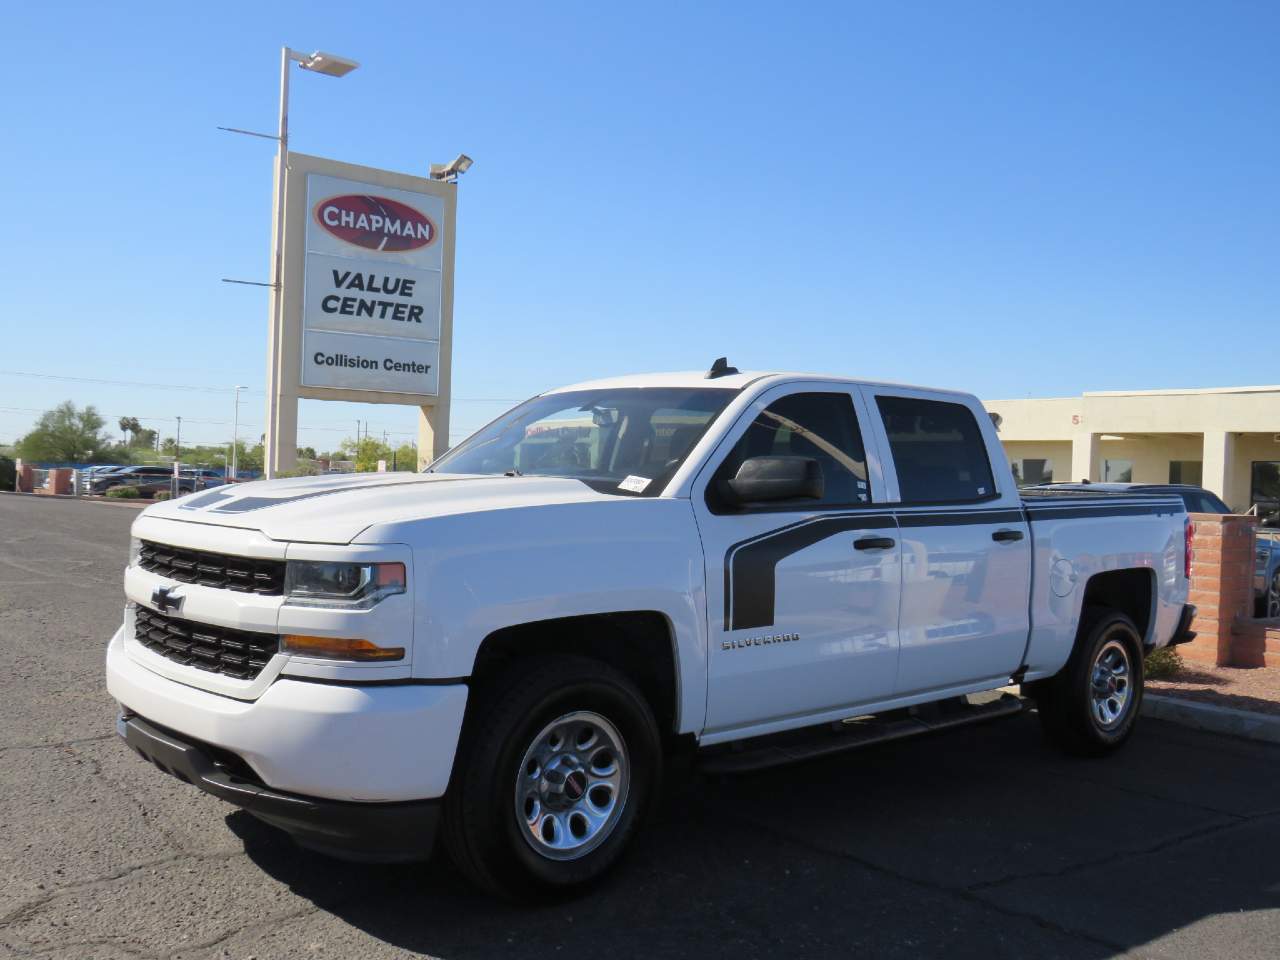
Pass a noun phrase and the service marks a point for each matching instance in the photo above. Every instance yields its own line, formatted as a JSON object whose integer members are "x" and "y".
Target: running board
{"x": 794, "y": 746}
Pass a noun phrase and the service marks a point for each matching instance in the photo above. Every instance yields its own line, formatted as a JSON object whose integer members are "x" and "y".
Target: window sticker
{"x": 634, "y": 484}
{"x": 982, "y": 491}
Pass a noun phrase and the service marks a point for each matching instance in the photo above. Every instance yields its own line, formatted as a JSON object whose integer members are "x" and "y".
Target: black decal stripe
{"x": 751, "y": 566}
{"x": 213, "y": 496}
{"x": 246, "y": 504}
{"x": 958, "y": 518}
{"x": 1073, "y": 511}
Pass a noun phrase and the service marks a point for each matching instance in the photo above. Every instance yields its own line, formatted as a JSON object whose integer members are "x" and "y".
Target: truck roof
{"x": 733, "y": 381}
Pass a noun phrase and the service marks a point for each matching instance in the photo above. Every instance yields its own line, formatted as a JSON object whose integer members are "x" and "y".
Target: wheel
{"x": 1091, "y": 707}
{"x": 554, "y": 773}
{"x": 1271, "y": 599}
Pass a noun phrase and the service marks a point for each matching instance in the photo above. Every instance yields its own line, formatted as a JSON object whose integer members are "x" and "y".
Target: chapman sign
{"x": 364, "y": 310}
{"x": 372, "y": 279}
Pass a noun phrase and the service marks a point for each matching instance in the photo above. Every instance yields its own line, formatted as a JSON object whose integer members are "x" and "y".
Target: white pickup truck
{"x": 754, "y": 568}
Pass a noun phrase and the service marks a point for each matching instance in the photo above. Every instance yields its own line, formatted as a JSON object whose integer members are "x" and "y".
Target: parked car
{"x": 752, "y": 569}
{"x": 1196, "y": 499}
{"x": 149, "y": 480}
{"x": 1266, "y": 573}
{"x": 202, "y": 478}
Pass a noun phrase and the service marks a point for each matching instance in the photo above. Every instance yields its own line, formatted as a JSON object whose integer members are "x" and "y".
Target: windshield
{"x": 629, "y": 442}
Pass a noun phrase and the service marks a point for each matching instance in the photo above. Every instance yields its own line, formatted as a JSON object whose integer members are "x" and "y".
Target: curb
{"x": 1205, "y": 716}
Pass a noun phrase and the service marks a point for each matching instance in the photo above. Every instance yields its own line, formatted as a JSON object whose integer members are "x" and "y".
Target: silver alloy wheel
{"x": 572, "y": 785}
{"x": 1273, "y": 597}
{"x": 1110, "y": 688}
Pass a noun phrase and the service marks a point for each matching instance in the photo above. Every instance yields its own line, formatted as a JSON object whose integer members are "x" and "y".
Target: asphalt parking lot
{"x": 982, "y": 842}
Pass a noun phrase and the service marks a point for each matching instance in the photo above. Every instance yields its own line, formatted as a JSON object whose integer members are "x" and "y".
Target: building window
{"x": 1029, "y": 471}
{"x": 1187, "y": 471}
{"x": 1264, "y": 485}
{"x": 1117, "y": 471}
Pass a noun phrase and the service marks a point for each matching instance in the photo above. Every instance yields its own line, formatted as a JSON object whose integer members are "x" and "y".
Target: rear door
{"x": 802, "y": 596}
{"x": 966, "y": 547}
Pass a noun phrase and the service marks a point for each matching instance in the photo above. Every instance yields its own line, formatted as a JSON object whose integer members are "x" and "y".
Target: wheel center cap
{"x": 563, "y": 783}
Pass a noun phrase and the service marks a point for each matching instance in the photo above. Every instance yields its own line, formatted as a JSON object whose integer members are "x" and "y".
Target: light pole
{"x": 331, "y": 66}
{"x": 177, "y": 443}
{"x": 235, "y": 433}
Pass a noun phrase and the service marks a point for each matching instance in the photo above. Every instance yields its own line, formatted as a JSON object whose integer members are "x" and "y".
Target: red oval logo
{"x": 376, "y": 223}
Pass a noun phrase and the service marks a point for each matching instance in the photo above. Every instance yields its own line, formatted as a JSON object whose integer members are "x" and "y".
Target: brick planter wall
{"x": 1221, "y": 587}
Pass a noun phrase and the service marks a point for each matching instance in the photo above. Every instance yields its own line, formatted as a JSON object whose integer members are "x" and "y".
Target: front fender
{"x": 481, "y": 572}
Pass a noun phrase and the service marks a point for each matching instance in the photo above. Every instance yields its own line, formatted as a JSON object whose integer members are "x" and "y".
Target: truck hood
{"x": 337, "y": 509}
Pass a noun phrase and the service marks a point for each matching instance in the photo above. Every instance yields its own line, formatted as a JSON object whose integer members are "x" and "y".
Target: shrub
{"x": 123, "y": 493}
{"x": 1163, "y": 664}
{"x": 8, "y": 473}
{"x": 161, "y": 495}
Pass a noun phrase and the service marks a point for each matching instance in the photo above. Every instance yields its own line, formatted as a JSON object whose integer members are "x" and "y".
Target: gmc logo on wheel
{"x": 375, "y": 223}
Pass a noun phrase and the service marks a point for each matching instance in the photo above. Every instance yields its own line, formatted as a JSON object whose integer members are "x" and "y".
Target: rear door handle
{"x": 874, "y": 543}
{"x": 1006, "y": 536}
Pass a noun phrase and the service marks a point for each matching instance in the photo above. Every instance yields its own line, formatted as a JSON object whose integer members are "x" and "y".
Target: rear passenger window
{"x": 822, "y": 426}
{"x": 937, "y": 449}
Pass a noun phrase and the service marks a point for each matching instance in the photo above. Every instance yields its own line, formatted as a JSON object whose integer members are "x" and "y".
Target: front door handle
{"x": 1007, "y": 536}
{"x": 874, "y": 543}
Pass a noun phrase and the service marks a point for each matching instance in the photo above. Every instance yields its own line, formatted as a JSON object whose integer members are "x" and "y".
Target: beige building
{"x": 1227, "y": 440}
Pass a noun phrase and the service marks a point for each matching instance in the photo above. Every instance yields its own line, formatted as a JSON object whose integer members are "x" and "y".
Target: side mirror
{"x": 766, "y": 479}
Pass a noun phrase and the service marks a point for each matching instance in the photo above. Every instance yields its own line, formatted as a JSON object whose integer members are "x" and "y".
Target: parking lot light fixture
{"x": 331, "y": 65}
{"x": 235, "y": 432}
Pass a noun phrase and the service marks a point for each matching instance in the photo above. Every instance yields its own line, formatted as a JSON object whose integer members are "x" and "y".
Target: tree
{"x": 131, "y": 427}
{"x": 66, "y": 433}
{"x": 406, "y": 457}
{"x": 307, "y": 453}
{"x": 366, "y": 453}
{"x": 144, "y": 439}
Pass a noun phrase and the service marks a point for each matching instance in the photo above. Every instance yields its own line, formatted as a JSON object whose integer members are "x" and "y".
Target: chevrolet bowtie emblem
{"x": 162, "y": 599}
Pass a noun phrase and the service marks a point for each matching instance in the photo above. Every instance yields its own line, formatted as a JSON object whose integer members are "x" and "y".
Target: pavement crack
{"x": 27, "y": 910}
{"x": 1159, "y": 847}
{"x": 248, "y": 927}
{"x": 964, "y": 894}
{"x": 1133, "y": 791}
{"x": 61, "y": 744}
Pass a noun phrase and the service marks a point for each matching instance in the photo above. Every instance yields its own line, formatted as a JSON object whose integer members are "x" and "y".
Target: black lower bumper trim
{"x": 379, "y": 832}
{"x": 1184, "y": 633}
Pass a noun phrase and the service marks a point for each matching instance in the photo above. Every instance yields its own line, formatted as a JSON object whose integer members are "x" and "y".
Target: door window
{"x": 937, "y": 449}
{"x": 821, "y": 426}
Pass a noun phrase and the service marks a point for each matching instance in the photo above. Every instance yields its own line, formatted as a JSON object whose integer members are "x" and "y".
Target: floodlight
{"x": 330, "y": 64}
{"x": 451, "y": 171}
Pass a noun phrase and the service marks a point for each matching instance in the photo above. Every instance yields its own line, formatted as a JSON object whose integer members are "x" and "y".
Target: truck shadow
{"x": 979, "y": 842}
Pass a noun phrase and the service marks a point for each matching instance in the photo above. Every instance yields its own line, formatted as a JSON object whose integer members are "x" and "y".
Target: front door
{"x": 802, "y": 596}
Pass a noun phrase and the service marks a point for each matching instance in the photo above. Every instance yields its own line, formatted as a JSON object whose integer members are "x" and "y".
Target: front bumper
{"x": 381, "y": 832}
{"x": 391, "y": 742}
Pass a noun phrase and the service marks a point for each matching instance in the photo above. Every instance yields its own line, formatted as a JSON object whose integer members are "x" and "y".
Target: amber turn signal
{"x": 337, "y": 648}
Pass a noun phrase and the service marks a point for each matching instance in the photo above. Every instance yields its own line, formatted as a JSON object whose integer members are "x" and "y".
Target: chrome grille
{"x": 243, "y": 574}
{"x": 233, "y": 653}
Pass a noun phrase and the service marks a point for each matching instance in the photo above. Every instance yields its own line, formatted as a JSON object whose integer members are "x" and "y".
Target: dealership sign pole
{"x": 365, "y": 298}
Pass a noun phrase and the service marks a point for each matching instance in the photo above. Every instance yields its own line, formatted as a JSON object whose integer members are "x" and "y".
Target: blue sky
{"x": 1012, "y": 199}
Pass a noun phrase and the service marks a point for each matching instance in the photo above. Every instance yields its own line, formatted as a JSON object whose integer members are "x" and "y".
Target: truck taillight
{"x": 1189, "y": 535}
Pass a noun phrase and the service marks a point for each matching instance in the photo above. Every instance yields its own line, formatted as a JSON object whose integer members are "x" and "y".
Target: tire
{"x": 526, "y": 833}
{"x": 1091, "y": 707}
{"x": 1271, "y": 599}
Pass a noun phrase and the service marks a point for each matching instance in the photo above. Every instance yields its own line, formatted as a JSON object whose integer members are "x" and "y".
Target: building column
{"x": 1219, "y": 463}
{"x": 1085, "y": 461}
{"x": 433, "y": 433}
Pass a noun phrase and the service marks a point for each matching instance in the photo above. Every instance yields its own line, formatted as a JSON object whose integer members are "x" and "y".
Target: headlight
{"x": 135, "y": 548}
{"x": 344, "y": 586}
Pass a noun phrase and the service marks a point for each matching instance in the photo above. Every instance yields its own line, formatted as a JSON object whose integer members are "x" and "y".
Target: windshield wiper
{"x": 513, "y": 472}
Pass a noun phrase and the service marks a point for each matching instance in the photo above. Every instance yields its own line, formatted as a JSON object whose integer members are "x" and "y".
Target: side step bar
{"x": 794, "y": 746}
